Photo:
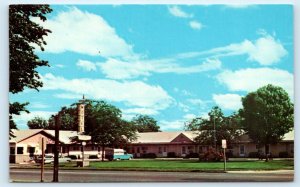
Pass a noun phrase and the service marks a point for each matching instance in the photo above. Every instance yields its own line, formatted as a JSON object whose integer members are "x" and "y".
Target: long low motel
{"x": 26, "y": 144}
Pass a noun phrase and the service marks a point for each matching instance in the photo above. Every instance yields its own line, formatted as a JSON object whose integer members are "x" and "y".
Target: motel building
{"x": 26, "y": 144}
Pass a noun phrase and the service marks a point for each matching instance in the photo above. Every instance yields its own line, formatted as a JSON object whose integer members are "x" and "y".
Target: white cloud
{"x": 183, "y": 107}
{"x": 175, "y": 125}
{"x": 177, "y": 12}
{"x": 195, "y": 25}
{"x": 228, "y": 101}
{"x": 86, "y": 33}
{"x": 183, "y": 92}
{"x": 86, "y": 65}
{"x": 38, "y": 105}
{"x": 23, "y": 118}
{"x": 251, "y": 79}
{"x": 198, "y": 103}
{"x": 143, "y": 111}
{"x": 135, "y": 93}
{"x": 238, "y": 6}
{"x": 189, "y": 116}
{"x": 59, "y": 65}
{"x": 265, "y": 50}
{"x": 117, "y": 69}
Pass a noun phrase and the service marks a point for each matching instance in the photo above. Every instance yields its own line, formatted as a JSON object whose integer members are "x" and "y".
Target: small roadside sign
{"x": 224, "y": 144}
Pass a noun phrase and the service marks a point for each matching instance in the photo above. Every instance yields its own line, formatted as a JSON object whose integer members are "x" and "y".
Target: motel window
{"x": 165, "y": 149}
{"x": 242, "y": 149}
{"x": 132, "y": 150}
{"x": 191, "y": 149}
{"x": 257, "y": 146}
{"x": 20, "y": 150}
{"x": 138, "y": 150}
{"x": 76, "y": 148}
{"x": 144, "y": 149}
{"x": 159, "y": 150}
{"x": 183, "y": 150}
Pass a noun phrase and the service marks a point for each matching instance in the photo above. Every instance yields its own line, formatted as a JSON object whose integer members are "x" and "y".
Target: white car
{"x": 49, "y": 159}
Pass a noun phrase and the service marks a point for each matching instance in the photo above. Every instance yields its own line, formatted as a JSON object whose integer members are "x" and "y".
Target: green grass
{"x": 191, "y": 165}
{"x": 179, "y": 165}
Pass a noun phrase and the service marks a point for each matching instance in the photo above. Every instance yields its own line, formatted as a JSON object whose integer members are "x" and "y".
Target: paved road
{"x": 33, "y": 175}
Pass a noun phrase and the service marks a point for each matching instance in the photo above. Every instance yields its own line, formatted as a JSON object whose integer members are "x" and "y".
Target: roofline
{"x": 40, "y": 130}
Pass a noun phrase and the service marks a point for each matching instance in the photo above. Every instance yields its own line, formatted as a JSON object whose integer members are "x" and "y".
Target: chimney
{"x": 80, "y": 109}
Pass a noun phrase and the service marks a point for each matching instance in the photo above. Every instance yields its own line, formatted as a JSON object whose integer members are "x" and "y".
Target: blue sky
{"x": 172, "y": 62}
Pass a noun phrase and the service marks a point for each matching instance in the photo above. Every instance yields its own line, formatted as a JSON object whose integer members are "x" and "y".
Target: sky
{"x": 171, "y": 62}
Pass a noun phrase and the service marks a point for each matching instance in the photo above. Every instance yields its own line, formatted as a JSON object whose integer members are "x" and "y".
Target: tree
{"x": 68, "y": 119}
{"x": 38, "y": 123}
{"x": 216, "y": 127}
{"x": 267, "y": 115}
{"x": 23, "y": 35}
{"x": 145, "y": 123}
{"x": 105, "y": 126}
{"x": 15, "y": 109}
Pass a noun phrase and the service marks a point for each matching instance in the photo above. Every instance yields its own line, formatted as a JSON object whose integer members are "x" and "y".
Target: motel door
{"x": 165, "y": 153}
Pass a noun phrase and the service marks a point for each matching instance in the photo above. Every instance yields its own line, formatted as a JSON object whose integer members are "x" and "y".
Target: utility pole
{"x": 56, "y": 148}
{"x": 43, "y": 159}
{"x": 215, "y": 140}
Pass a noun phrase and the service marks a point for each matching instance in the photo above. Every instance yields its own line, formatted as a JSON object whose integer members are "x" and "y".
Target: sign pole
{"x": 43, "y": 160}
{"x": 224, "y": 146}
{"x": 224, "y": 159}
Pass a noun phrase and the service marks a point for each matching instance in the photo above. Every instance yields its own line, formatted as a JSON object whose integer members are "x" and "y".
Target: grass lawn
{"x": 191, "y": 165}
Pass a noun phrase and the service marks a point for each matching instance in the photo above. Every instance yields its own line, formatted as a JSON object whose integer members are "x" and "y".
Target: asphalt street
{"x": 33, "y": 175}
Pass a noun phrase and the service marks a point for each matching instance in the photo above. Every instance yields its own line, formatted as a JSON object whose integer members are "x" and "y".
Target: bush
{"x": 171, "y": 155}
{"x": 73, "y": 157}
{"x": 283, "y": 154}
{"x": 93, "y": 157}
{"x": 192, "y": 155}
{"x": 211, "y": 155}
{"x": 229, "y": 154}
{"x": 253, "y": 155}
{"x": 149, "y": 155}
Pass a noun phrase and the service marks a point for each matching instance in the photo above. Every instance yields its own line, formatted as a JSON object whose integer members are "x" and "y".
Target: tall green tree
{"x": 216, "y": 127}
{"x": 15, "y": 108}
{"x": 268, "y": 114}
{"x": 38, "y": 123}
{"x": 23, "y": 35}
{"x": 145, "y": 123}
{"x": 103, "y": 123}
{"x": 105, "y": 126}
{"x": 68, "y": 119}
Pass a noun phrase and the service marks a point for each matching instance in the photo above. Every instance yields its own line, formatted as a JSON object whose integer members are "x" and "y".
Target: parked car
{"x": 49, "y": 159}
{"x": 117, "y": 154}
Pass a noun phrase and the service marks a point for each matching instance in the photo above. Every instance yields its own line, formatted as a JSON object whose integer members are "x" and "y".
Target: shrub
{"x": 192, "y": 155}
{"x": 149, "y": 155}
{"x": 171, "y": 155}
{"x": 253, "y": 155}
{"x": 283, "y": 154}
{"x": 211, "y": 155}
{"x": 93, "y": 157}
{"x": 73, "y": 157}
{"x": 229, "y": 154}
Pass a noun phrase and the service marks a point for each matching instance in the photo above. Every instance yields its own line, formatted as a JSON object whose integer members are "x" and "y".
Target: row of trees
{"x": 267, "y": 115}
